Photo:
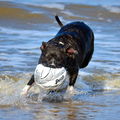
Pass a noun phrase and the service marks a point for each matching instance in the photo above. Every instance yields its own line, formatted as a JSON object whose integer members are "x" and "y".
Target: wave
{"x": 57, "y": 6}
{"x": 35, "y": 33}
{"x": 87, "y": 2}
{"x": 112, "y": 9}
{"x": 12, "y": 85}
{"x": 85, "y": 81}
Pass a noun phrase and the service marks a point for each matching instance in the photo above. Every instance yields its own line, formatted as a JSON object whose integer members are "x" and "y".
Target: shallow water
{"x": 23, "y": 27}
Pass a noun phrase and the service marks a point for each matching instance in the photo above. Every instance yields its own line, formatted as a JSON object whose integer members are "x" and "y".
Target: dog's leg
{"x": 70, "y": 89}
{"x": 28, "y": 86}
{"x": 72, "y": 80}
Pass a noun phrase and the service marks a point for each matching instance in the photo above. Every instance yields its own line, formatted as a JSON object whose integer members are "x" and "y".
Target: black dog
{"x": 71, "y": 48}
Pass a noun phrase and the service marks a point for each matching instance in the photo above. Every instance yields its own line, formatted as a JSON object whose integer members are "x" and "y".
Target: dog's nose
{"x": 52, "y": 66}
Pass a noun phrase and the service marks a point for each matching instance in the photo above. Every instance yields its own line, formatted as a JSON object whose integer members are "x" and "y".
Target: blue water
{"x": 23, "y": 27}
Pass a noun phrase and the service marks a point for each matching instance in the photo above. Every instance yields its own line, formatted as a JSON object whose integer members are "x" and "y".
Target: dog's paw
{"x": 25, "y": 90}
{"x": 70, "y": 89}
{"x": 69, "y": 92}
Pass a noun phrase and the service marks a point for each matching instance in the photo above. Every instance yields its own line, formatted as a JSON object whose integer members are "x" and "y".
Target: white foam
{"x": 109, "y": 20}
{"x": 37, "y": 12}
{"x": 53, "y": 5}
{"x": 97, "y": 35}
{"x": 101, "y": 18}
{"x": 112, "y": 9}
{"x": 80, "y": 84}
{"x": 84, "y": 73}
{"x": 108, "y": 84}
{"x": 67, "y": 12}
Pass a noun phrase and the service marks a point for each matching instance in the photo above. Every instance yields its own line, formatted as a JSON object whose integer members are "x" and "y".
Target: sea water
{"x": 23, "y": 27}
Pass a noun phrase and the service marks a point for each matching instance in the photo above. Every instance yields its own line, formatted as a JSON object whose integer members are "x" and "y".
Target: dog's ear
{"x": 44, "y": 44}
{"x": 71, "y": 51}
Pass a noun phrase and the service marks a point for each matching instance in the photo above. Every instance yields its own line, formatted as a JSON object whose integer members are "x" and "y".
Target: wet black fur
{"x": 75, "y": 35}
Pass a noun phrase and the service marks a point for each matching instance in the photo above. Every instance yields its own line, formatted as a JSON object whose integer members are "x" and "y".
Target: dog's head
{"x": 55, "y": 55}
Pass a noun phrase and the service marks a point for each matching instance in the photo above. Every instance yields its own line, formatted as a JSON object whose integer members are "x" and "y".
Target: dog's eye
{"x": 46, "y": 58}
{"x": 60, "y": 60}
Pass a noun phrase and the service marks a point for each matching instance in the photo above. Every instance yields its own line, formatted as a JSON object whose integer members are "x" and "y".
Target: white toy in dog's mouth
{"x": 49, "y": 78}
